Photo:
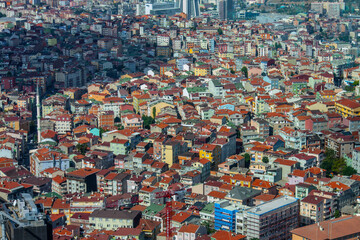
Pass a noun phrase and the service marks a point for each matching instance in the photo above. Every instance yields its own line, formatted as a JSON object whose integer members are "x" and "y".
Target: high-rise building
{"x": 222, "y": 8}
{"x": 230, "y": 9}
{"x": 317, "y": 7}
{"x": 333, "y": 10}
{"x": 226, "y": 9}
{"x": 190, "y": 7}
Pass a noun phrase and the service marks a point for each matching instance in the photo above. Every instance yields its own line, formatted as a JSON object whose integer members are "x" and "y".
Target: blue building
{"x": 227, "y": 106}
{"x": 95, "y": 132}
{"x": 273, "y": 81}
{"x": 225, "y": 216}
{"x": 212, "y": 45}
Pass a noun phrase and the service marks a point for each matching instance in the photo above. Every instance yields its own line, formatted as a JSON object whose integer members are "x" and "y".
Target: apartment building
{"x": 340, "y": 143}
{"x": 171, "y": 149}
{"x": 293, "y": 138}
{"x": 63, "y": 124}
{"x": 110, "y": 219}
{"x": 318, "y": 206}
{"x": 262, "y": 127}
{"x": 115, "y": 183}
{"x": 347, "y": 108}
{"x": 355, "y": 161}
{"x": 82, "y": 180}
{"x": 106, "y": 118}
{"x": 44, "y": 158}
{"x": 225, "y": 216}
{"x": 147, "y": 195}
{"x": 273, "y": 219}
{"x": 190, "y": 232}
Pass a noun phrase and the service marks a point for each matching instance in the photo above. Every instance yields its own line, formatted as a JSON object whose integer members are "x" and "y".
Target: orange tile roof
{"x": 316, "y": 170}
{"x": 61, "y": 204}
{"x": 83, "y": 172}
{"x": 217, "y": 194}
{"x": 181, "y": 217}
{"x": 262, "y": 184}
{"x": 285, "y": 162}
{"x": 298, "y": 173}
{"x": 338, "y": 185}
{"x": 189, "y": 228}
{"x": 225, "y": 235}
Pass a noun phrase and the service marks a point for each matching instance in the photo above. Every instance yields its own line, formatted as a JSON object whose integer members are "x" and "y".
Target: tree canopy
{"x": 148, "y": 121}
{"x": 245, "y": 71}
{"x": 247, "y": 160}
{"x": 335, "y": 165}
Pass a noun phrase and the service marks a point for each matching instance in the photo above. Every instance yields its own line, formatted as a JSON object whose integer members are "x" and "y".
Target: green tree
{"x": 265, "y": 159}
{"x": 335, "y": 165}
{"x": 348, "y": 171}
{"x": 339, "y": 165}
{"x": 147, "y": 121}
{"x": 337, "y": 213}
{"x": 154, "y": 112}
{"x": 344, "y": 37}
{"x": 247, "y": 160}
{"x": 232, "y": 71}
{"x": 119, "y": 126}
{"x": 238, "y": 133}
{"x": 82, "y": 148}
{"x": 245, "y": 71}
{"x": 220, "y": 31}
{"x": 356, "y": 83}
{"x": 349, "y": 88}
{"x": 209, "y": 227}
{"x": 277, "y": 46}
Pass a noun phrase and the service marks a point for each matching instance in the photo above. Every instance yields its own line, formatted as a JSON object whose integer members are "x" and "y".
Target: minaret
{"x": 38, "y": 113}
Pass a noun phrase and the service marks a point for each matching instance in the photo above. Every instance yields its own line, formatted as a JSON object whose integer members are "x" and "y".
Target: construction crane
{"x": 4, "y": 217}
{"x": 167, "y": 195}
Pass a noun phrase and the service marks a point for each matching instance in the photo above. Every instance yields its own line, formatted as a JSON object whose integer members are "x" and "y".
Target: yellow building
{"x": 97, "y": 96}
{"x": 12, "y": 122}
{"x": 210, "y": 152}
{"x": 347, "y": 108}
{"x": 258, "y": 152}
{"x": 52, "y": 41}
{"x": 158, "y": 106}
{"x": 328, "y": 95}
{"x": 202, "y": 70}
{"x": 170, "y": 151}
{"x": 61, "y": 206}
{"x": 137, "y": 99}
{"x": 317, "y": 106}
{"x": 22, "y": 103}
{"x": 70, "y": 92}
{"x": 258, "y": 167}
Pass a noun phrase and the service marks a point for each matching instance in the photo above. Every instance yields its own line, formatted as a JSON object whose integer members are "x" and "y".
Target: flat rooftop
{"x": 272, "y": 205}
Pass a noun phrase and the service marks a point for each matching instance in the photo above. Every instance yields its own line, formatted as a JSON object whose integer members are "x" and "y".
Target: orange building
{"x": 106, "y": 119}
